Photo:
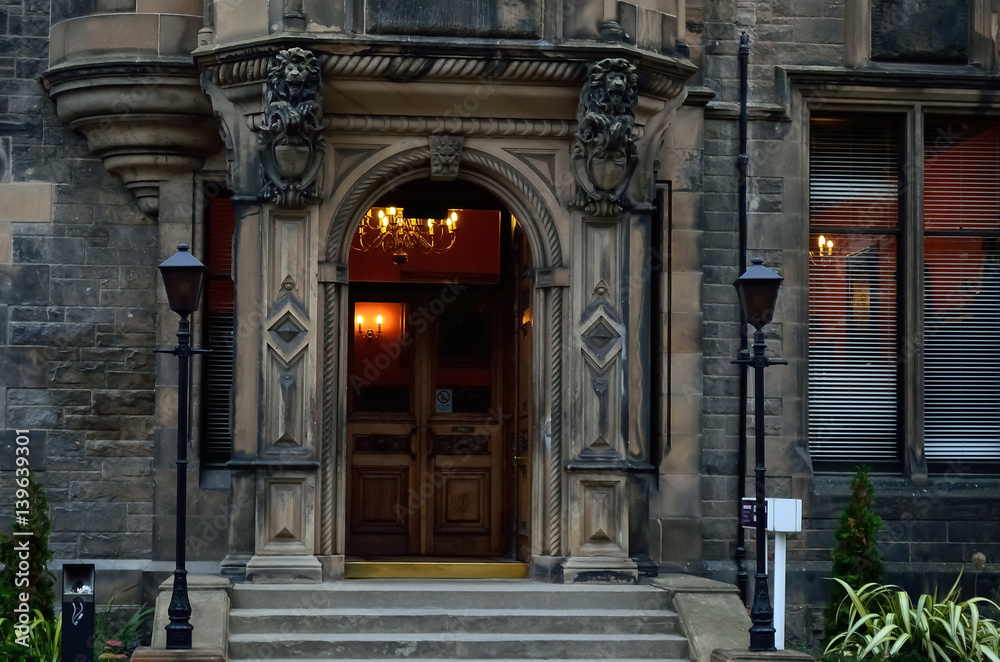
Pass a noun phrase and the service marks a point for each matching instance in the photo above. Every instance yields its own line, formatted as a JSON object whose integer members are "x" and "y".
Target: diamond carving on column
{"x": 601, "y": 339}
{"x": 287, "y": 332}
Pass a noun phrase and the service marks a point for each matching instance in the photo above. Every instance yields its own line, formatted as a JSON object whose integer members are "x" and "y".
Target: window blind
{"x": 217, "y": 384}
{"x": 961, "y": 290}
{"x": 853, "y": 303}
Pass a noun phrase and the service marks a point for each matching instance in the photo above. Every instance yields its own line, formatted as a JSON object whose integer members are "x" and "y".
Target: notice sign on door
{"x": 443, "y": 401}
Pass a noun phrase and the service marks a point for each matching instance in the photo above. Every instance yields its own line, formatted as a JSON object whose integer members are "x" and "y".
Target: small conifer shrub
{"x": 855, "y": 556}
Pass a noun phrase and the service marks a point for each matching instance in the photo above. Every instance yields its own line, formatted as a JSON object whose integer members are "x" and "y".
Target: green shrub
{"x": 855, "y": 556}
{"x": 40, "y": 581}
{"x": 882, "y": 621}
{"x": 44, "y": 640}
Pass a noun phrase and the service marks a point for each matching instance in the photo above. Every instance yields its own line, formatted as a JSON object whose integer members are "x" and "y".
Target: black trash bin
{"x": 78, "y": 612}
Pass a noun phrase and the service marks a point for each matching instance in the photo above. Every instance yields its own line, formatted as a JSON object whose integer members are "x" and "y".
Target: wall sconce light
{"x": 824, "y": 249}
{"x": 370, "y": 334}
{"x": 825, "y": 245}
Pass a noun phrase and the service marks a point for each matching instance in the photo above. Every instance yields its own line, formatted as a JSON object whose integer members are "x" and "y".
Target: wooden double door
{"x": 435, "y": 466}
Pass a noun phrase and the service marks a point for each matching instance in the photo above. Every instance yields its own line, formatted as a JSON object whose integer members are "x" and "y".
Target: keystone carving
{"x": 604, "y": 152}
{"x": 446, "y": 155}
{"x": 289, "y": 140}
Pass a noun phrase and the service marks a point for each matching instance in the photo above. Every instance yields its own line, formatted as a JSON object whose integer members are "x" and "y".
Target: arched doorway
{"x": 439, "y": 385}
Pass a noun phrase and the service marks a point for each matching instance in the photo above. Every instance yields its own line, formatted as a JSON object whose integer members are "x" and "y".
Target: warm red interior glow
{"x": 475, "y": 257}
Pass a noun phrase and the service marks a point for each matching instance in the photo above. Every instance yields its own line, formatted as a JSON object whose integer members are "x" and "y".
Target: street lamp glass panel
{"x": 757, "y": 290}
{"x": 183, "y": 277}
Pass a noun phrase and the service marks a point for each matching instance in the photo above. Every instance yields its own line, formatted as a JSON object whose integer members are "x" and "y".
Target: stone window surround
{"x": 858, "y": 36}
{"x": 810, "y": 90}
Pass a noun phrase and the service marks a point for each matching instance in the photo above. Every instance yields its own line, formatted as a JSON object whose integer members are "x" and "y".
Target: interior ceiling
{"x": 426, "y": 199}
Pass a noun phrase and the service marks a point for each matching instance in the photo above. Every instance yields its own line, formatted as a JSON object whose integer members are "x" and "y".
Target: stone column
{"x": 549, "y": 516}
{"x": 599, "y": 503}
{"x": 286, "y": 464}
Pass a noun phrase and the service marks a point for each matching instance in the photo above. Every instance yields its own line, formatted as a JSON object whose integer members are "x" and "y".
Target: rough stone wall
{"x": 77, "y": 314}
{"x": 928, "y": 532}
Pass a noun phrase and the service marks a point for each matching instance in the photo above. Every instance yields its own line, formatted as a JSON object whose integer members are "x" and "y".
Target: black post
{"x": 761, "y": 613}
{"x": 742, "y": 162}
{"x": 179, "y": 629}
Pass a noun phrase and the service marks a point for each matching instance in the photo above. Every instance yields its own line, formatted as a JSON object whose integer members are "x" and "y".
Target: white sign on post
{"x": 784, "y": 516}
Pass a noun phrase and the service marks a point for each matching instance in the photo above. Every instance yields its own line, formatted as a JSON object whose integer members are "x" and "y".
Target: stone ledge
{"x": 210, "y": 601}
{"x": 711, "y": 614}
{"x": 740, "y": 655}
{"x": 193, "y": 655}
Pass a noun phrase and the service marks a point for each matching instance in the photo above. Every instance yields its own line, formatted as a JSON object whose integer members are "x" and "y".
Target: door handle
{"x": 432, "y": 450}
{"x": 409, "y": 449}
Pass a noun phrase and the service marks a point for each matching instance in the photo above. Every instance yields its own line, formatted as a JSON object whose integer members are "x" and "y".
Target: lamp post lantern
{"x": 183, "y": 278}
{"x": 757, "y": 290}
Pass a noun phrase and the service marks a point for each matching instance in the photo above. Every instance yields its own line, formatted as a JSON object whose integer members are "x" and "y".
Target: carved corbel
{"x": 289, "y": 139}
{"x": 446, "y": 156}
{"x": 604, "y": 151}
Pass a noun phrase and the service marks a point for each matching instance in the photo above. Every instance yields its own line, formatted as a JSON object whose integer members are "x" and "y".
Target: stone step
{"x": 410, "y": 659}
{"x": 454, "y": 594}
{"x": 455, "y": 646}
{"x": 528, "y": 621}
{"x": 470, "y": 659}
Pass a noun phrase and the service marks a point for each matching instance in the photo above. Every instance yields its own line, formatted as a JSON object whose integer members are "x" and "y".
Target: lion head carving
{"x": 611, "y": 88}
{"x": 604, "y": 153}
{"x": 289, "y": 138}
{"x": 293, "y": 77}
{"x": 607, "y": 106}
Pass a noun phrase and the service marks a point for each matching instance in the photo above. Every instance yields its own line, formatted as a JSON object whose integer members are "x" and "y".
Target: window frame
{"x": 858, "y": 38}
{"x": 810, "y": 92}
{"x": 211, "y": 476}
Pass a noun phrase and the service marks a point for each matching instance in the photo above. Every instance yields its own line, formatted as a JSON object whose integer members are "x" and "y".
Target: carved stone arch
{"x": 534, "y": 209}
{"x": 509, "y": 185}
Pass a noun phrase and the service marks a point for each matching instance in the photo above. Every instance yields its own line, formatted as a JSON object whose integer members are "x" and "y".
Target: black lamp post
{"x": 183, "y": 278}
{"x": 757, "y": 290}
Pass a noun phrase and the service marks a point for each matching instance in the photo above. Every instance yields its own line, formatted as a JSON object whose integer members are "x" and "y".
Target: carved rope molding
{"x": 419, "y": 159}
{"x": 406, "y": 162}
{"x": 555, "y": 455}
{"x": 328, "y": 437}
{"x": 466, "y": 126}
{"x": 509, "y": 174}
{"x": 401, "y": 68}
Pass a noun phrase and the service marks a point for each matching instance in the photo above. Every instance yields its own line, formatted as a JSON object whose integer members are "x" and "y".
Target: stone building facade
{"x": 606, "y": 446}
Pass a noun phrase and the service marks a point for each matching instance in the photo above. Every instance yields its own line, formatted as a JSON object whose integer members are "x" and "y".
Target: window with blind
{"x": 854, "y": 236}
{"x": 961, "y": 290}
{"x": 217, "y": 378}
{"x": 858, "y": 281}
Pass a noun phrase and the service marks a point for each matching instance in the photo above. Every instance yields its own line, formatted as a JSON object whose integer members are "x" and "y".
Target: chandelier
{"x": 397, "y": 235}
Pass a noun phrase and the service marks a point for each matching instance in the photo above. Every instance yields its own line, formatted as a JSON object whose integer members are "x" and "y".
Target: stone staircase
{"x": 451, "y": 620}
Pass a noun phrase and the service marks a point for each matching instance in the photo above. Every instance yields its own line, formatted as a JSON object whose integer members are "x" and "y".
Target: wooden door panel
{"x": 465, "y": 487}
{"x": 427, "y": 477}
{"x": 380, "y": 518}
{"x": 380, "y": 487}
{"x": 464, "y": 503}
